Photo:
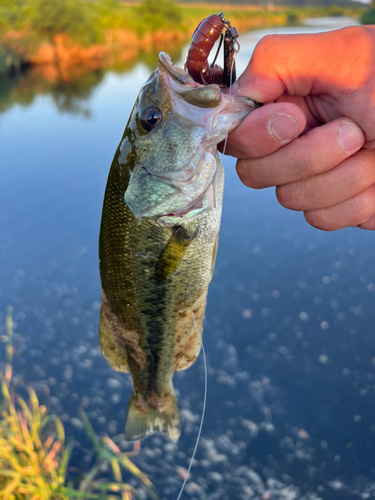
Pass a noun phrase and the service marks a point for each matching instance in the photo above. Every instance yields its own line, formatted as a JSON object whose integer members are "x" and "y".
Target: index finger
{"x": 306, "y": 64}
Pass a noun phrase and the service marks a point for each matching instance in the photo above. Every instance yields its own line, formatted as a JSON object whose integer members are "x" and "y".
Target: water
{"x": 289, "y": 329}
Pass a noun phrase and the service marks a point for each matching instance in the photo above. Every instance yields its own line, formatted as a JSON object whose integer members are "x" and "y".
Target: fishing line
{"x": 197, "y": 329}
{"x": 231, "y": 94}
{"x": 205, "y": 369}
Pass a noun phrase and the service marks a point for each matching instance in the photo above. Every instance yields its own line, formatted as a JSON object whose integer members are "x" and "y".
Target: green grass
{"x": 86, "y": 21}
{"x": 34, "y": 455}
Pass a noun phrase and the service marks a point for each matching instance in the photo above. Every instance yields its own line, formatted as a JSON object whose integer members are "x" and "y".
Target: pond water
{"x": 289, "y": 329}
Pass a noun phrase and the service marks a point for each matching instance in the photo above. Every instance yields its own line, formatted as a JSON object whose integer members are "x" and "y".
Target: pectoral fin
{"x": 173, "y": 253}
{"x": 214, "y": 255}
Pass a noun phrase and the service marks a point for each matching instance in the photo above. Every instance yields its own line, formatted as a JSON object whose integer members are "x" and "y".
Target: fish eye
{"x": 150, "y": 118}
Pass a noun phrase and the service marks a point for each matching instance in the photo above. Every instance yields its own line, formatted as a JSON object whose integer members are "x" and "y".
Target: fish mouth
{"x": 178, "y": 73}
{"x": 205, "y": 201}
{"x": 184, "y": 91}
{"x": 196, "y": 207}
{"x": 196, "y": 204}
{"x": 204, "y": 204}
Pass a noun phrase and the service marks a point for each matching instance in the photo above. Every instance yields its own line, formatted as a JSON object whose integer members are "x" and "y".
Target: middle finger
{"x": 321, "y": 149}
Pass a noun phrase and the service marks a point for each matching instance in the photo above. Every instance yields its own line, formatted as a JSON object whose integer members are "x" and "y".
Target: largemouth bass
{"x": 158, "y": 238}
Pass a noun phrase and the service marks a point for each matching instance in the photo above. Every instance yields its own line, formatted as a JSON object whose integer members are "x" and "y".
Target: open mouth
{"x": 194, "y": 205}
{"x": 202, "y": 203}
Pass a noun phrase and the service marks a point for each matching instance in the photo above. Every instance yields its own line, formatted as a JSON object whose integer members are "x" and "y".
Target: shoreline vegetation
{"x": 34, "y": 454}
{"x": 58, "y": 36}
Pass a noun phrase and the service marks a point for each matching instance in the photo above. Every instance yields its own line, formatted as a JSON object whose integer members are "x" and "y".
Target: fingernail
{"x": 244, "y": 88}
{"x": 282, "y": 127}
{"x": 350, "y": 136}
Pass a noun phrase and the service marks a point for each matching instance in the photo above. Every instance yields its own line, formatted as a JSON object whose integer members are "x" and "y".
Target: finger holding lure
{"x": 159, "y": 235}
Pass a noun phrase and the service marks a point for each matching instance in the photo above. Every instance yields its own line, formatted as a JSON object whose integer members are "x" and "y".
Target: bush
{"x": 335, "y": 11}
{"x": 160, "y": 14}
{"x": 71, "y": 17}
{"x": 12, "y": 14}
{"x": 368, "y": 17}
{"x": 292, "y": 17}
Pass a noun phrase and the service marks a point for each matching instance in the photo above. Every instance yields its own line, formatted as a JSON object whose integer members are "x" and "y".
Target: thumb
{"x": 309, "y": 64}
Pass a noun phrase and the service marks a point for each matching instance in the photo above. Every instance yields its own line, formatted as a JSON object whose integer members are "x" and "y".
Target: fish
{"x": 159, "y": 238}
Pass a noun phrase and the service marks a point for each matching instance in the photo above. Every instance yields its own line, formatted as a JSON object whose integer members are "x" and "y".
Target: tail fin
{"x": 143, "y": 420}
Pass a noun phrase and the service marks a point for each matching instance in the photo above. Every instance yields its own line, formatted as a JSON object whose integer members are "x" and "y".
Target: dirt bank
{"x": 118, "y": 45}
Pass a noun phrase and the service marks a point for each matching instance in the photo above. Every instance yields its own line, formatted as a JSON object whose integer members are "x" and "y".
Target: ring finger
{"x": 353, "y": 212}
{"x": 349, "y": 178}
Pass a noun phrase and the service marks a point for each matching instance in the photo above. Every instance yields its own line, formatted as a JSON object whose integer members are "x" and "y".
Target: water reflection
{"x": 289, "y": 324}
{"x": 68, "y": 90}
{"x": 70, "y": 87}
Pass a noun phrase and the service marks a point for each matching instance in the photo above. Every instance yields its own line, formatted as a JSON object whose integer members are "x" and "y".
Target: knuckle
{"x": 260, "y": 48}
{"x": 267, "y": 44}
{"x": 367, "y": 206}
{"x": 306, "y": 166}
{"x": 264, "y": 43}
{"x": 367, "y": 157}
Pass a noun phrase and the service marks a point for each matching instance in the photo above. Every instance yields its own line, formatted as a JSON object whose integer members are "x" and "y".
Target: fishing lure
{"x": 204, "y": 37}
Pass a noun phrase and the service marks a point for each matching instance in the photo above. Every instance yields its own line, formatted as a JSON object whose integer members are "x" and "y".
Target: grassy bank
{"x": 100, "y": 32}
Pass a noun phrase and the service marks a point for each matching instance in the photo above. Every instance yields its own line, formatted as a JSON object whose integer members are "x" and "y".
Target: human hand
{"x": 314, "y": 140}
